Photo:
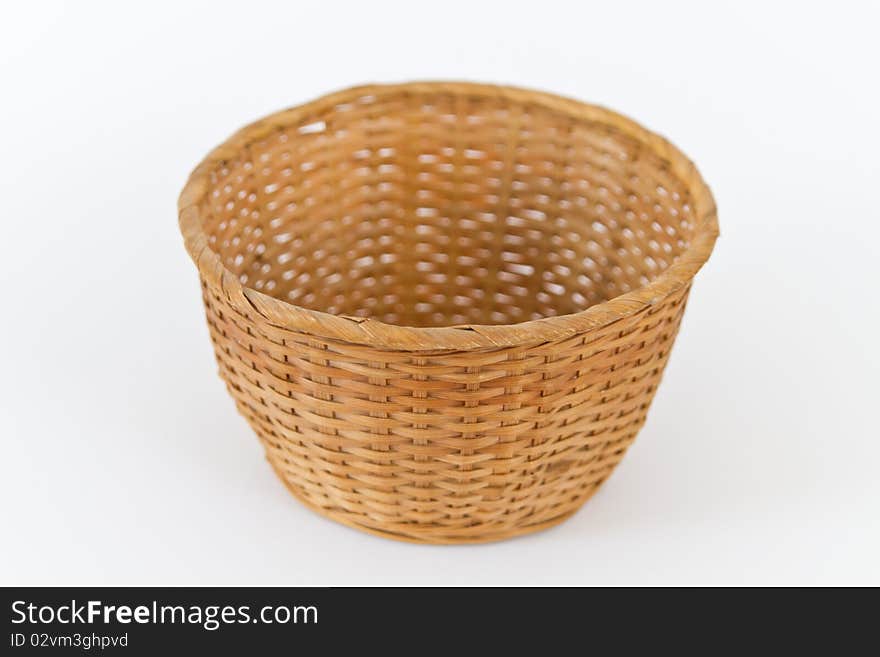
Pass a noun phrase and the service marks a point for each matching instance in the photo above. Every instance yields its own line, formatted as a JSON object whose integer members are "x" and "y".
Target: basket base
{"x": 428, "y": 535}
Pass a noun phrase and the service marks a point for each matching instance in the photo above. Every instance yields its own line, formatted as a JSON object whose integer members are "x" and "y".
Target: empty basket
{"x": 444, "y": 308}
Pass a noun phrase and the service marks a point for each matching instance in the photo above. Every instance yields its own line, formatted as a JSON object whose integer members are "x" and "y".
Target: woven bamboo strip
{"x": 445, "y": 308}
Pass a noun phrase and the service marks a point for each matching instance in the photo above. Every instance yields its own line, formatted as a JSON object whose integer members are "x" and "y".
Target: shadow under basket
{"x": 444, "y": 308}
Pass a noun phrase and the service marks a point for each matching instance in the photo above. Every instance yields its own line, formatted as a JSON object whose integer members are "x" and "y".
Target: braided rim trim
{"x": 375, "y": 333}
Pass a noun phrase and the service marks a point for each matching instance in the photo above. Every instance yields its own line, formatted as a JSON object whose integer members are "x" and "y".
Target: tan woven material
{"x": 445, "y": 308}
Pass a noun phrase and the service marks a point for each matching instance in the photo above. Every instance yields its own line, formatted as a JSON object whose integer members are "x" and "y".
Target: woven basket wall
{"x": 445, "y": 308}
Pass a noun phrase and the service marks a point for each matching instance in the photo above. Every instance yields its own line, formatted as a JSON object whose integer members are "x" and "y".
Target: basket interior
{"x": 439, "y": 209}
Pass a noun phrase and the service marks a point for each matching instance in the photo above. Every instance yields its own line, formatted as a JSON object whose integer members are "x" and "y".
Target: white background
{"x": 123, "y": 459}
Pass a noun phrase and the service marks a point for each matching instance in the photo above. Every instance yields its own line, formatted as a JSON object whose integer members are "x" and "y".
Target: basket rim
{"x": 374, "y": 333}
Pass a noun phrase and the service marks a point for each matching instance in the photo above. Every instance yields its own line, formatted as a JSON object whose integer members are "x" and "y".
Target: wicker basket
{"x": 445, "y": 308}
